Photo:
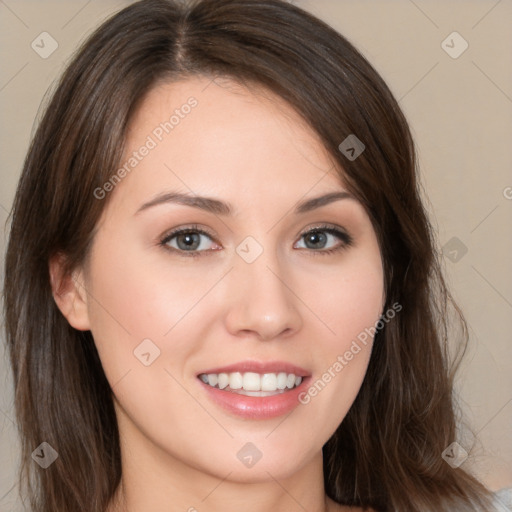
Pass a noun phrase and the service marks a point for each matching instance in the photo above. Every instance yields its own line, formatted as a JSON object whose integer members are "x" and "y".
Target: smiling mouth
{"x": 251, "y": 383}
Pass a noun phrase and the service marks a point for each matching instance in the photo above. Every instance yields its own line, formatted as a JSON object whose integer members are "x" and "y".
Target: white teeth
{"x": 269, "y": 382}
{"x": 281, "y": 380}
{"x": 223, "y": 380}
{"x": 235, "y": 380}
{"x": 252, "y": 382}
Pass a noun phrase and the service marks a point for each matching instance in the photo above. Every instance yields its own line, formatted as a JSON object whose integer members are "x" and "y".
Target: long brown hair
{"x": 387, "y": 451}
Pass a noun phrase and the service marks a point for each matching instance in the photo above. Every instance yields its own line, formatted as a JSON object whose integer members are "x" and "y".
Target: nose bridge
{"x": 262, "y": 298}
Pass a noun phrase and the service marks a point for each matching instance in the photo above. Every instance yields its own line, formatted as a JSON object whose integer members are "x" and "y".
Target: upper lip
{"x": 259, "y": 367}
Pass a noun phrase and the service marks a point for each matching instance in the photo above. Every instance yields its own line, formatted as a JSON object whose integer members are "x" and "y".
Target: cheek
{"x": 131, "y": 301}
{"x": 140, "y": 288}
{"x": 347, "y": 300}
{"x": 348, "y": 303}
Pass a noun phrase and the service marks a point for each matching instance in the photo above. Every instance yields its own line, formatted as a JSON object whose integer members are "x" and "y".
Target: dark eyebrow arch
{"x": 221, "y": 208}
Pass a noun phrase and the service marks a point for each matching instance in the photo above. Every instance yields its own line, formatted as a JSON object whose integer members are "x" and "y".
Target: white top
{"x": 503, "y": 500}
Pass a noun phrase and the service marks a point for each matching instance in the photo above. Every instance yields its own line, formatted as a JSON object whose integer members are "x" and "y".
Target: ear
{"x": 69, "y": 293}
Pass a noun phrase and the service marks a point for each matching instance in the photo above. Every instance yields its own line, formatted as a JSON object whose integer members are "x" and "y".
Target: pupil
{"x": 191, "y": 240}
{"x": 316, "y": 237}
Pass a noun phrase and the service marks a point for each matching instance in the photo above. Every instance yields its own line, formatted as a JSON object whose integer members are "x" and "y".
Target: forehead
{"x": 216, "y": 136}
{"x": 221, "y": 95}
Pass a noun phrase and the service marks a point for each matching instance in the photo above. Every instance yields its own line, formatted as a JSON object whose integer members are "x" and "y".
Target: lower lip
{"x": 256, "y": 407}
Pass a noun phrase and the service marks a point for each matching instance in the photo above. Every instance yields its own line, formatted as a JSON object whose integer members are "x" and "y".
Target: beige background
{"x": 460, "y": 112}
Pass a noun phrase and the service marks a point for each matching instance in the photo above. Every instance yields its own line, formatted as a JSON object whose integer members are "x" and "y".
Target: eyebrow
{"x": 218, "y": 207}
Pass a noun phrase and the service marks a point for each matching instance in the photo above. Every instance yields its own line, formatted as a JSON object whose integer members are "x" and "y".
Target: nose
{"x": 262, "y": 302}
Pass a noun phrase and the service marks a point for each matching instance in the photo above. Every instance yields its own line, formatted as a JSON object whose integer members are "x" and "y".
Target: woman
{"x": 233, "y": 298}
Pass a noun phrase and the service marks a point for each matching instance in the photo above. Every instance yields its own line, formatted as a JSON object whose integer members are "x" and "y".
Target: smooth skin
{"x": 294, "y": 303}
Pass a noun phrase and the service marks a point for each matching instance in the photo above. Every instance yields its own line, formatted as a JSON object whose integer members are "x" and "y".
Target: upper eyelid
{"x": 194, "y": 229}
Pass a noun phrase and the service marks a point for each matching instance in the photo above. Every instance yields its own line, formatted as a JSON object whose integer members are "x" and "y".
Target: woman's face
{"x": 254, "y": 296}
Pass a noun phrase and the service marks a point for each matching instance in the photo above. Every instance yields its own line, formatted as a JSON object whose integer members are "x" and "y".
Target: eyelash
{"x": 345, "y": 238}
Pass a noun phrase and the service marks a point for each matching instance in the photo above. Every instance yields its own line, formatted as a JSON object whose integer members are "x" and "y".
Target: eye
{"x": 322, "y": 239}
{"x": 188, "y": 239}
{"x": 192, "y": 240}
